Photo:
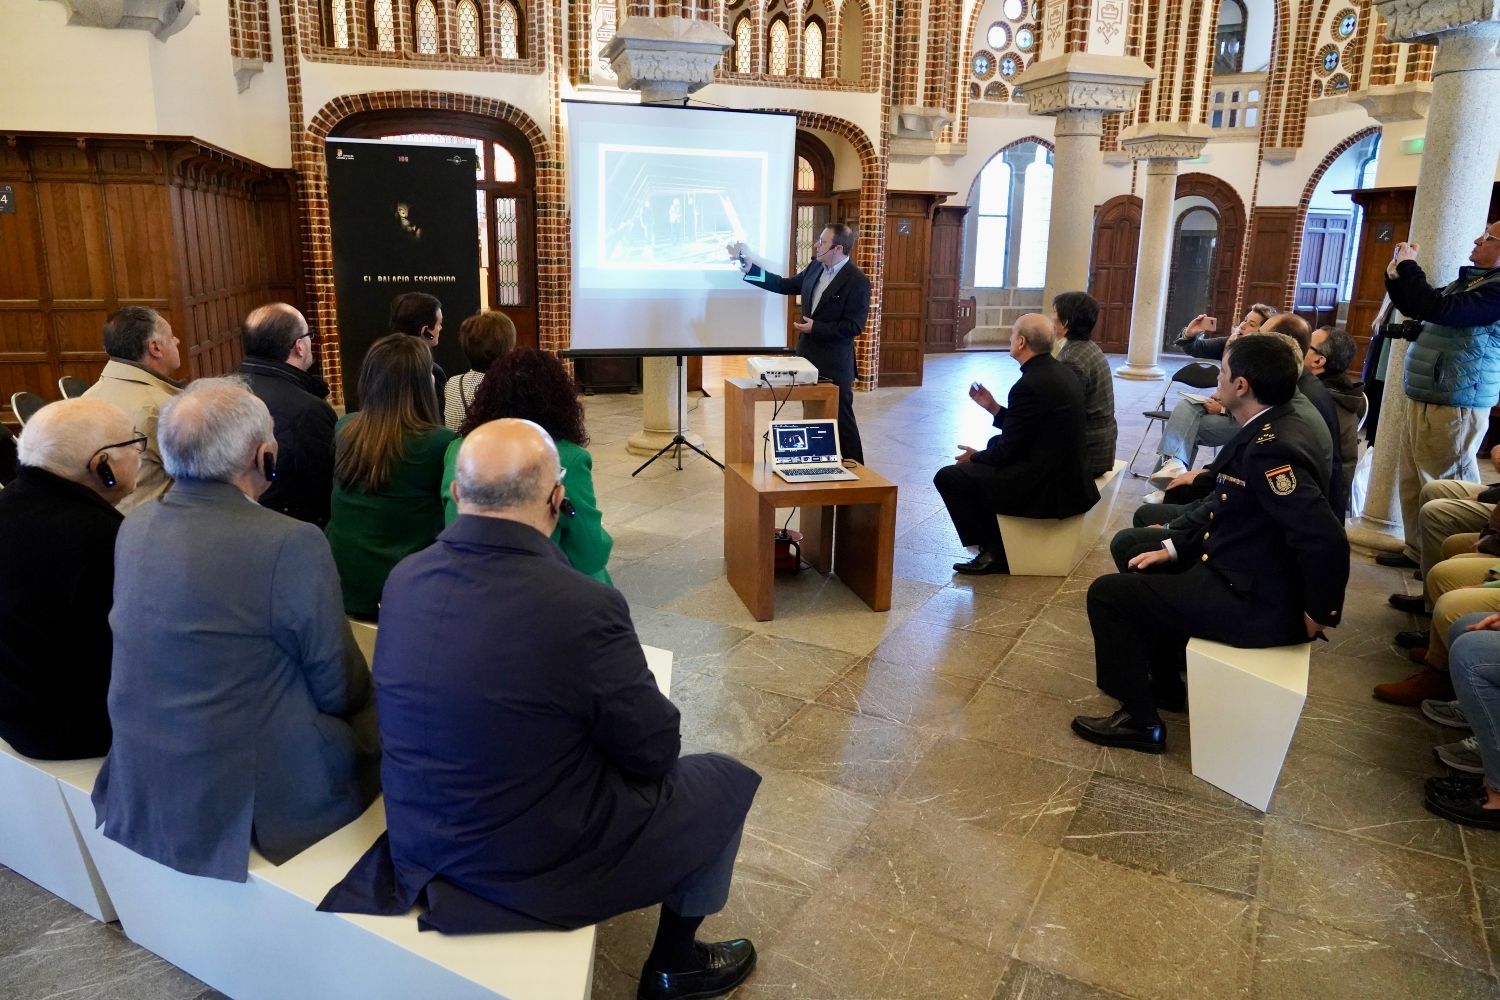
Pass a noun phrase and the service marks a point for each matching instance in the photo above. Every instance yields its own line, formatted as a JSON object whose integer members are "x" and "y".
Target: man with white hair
{"x": 138, "y": 379}
{"x": 241, "y": 706}
{"x": 554, "y": 794}
{"x": 76, "y": 459}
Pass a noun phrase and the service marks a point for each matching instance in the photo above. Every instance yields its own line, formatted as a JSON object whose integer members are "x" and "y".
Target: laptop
{"x": 807, "y": 451}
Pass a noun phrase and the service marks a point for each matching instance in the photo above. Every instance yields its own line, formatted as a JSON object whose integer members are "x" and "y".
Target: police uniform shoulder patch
{"x": 1283, "y": 480}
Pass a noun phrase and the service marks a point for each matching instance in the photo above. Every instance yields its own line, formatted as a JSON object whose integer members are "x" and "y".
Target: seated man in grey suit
{"x": 242, "y": 710}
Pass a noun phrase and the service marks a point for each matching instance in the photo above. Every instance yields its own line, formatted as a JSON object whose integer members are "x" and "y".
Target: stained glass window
{"x": 992, "y": 236}
{"x": 1330, "y": 59}
{"x": 510, "y": 31}
{"x": 779, "y": 43}
{"x": 1036, "y": 216}
{"x": 983, "y": 64}
{"x": 338, "y": 16}
{"x": 468, "y": 29}
{"x": 383, "y": 23}
{"x": 1347, "y": 22}
{"x": 742, "y": 39}
{"x": 1009, "y": 66}
{"x": 812, "y": 51}
{"x": 1024, "y": 39}
{"x": 427, "y": 27}
{"x": 505, "y": 164}
{"x": 806, "y": 179}
{"x": 507, "y": 252}
{"x": 994, "y": 91}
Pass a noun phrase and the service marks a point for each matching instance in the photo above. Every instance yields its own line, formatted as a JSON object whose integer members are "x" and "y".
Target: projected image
{"x": 675, "y": 209}
{"x": 791, "y": 439}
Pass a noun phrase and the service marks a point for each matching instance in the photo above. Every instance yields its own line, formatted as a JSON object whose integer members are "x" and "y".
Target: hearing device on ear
{"x": 566, "y": 509}
{"x": 105, "y": 473}
{"x": 428, "y": 335}
{"x": 268, "y": 465}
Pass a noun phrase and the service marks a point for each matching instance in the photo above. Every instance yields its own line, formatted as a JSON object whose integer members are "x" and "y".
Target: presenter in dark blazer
{"x": 835, "y": 304}
{"x": 1036, "y": 466}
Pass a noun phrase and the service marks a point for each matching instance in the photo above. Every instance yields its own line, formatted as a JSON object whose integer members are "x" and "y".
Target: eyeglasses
{"x": 139, "y": 442}
{"x": 1321, "y": 352}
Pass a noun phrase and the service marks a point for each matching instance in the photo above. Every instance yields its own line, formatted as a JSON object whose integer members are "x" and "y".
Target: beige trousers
{"x": 1453, "y": 589}
{"x": 1447, "y": 507}
{"x": 1439, "y": 442}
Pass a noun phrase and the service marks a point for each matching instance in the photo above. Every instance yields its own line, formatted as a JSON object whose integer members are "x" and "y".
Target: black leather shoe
{"x": 1396, "y": 559}
{"x": 984, "y": 563}
{"x": 725, "y": 964}
{"x": 1170, "y": 701}
{"x": 1467, "y": 810}
{"x": 1120, "y": 730}
{"x": 1411, "y": 640}
{"x": 1412, "y": 604}
{"x": 1455, "y": 784}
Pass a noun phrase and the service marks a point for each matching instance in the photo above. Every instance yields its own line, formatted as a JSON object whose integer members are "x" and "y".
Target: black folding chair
{"x": 71, "y": 386}
{"x": 1195, "y": 375}
{"x": 25, "y": 405}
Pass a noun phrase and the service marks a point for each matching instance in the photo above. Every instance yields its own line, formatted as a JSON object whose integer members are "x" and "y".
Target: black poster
{"x": 405, "y": 219}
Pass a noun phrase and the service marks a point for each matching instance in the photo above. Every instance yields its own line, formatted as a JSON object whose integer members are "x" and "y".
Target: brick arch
{"x": 553, "y": 267}
{"x": 1233, "y": 221}
{"x": 869, "y": 253}
{"x": 1348, "y": 143}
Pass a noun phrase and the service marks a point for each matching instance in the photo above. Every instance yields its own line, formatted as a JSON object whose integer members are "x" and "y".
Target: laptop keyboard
{"x": 806, "y": 472}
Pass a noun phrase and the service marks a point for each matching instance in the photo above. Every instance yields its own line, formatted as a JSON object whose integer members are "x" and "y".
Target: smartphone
{"x": 975, "y": 387}
{"x": 1213, "y": 324}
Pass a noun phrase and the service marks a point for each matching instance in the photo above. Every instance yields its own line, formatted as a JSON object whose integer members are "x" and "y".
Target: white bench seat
{"x": 38, "y": 839}
{"x": 264, "y": 939}
{"x": 1054, "y": 546}
{"x": 1244, "y": 706}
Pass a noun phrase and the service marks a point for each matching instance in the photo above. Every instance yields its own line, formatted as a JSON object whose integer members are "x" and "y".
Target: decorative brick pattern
{"x": 834, "y": 72}
{"x": 906, "y": 66}
{"x": 315, "y": 40}
{"x": 250, "y": 30}
{"x": 973, "y": 35}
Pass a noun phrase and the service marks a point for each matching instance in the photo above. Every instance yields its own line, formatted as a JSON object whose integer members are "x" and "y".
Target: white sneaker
{"x": 1155, "y": 496}
{"x": 1169, "y": 470}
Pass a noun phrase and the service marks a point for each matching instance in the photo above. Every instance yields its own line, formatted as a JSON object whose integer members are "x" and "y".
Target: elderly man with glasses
{"x": 76, "y": 459}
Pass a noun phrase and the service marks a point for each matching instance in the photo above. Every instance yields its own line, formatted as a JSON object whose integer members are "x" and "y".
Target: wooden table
{"x": 848, "y": 527}
{"x": 820, "y": 401}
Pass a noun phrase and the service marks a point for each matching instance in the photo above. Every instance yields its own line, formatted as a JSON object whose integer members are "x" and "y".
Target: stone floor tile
{"x": 782, "y": 666}
{"x": 996, "y": 789}
{"x": 1026, "y": 722}
{"x": 1350, "y": 678}
{"x": 1173, "y": 769}
{"x": 1143, "y": 935}
{"x": 856, "y": 752}
{"x": 960, "y": 607}
{"x": 833, "y": 949}
{"x": 1363, "y": 800}
{"x": 945, "y": 650}
{"x": 1065, "y": 628}
{"x": 1060, "y": 673}
{"x": 697, "y": 646}
{"x": 728, "y": 717}
{"x": 1413, "y": 901}
{"x": 1482, "y": 847}
{"x": 798, "y": 828}
{"x": 1372, "y": 733}
{"x": 904, "y": 692}
{"x": 1303, "y": 960}
{"x": 933, "y": 870}
{"x": 1169, "y": 833}
{"x": 1487, "y": 889}
{"x": 1024, "y": 981}
{"x": 926, "y": 565}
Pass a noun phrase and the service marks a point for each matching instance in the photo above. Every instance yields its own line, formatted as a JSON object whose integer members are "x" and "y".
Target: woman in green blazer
{"x": 387, "y": 465}
{"x": 529, "y": 384}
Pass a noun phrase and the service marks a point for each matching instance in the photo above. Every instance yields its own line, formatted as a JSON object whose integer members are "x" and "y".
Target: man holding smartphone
{"x": 835, "y": 304}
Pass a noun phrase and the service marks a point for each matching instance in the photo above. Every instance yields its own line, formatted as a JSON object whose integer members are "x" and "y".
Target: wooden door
{"x": 944, "y": 275}
{"x": 1117, "y": 236}
{"x": 908, "y": 240}
{"x": 1325, "y": 244}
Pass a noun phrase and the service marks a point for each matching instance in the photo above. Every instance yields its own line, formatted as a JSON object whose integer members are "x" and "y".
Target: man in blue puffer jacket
{"x": 1452, "y": 375}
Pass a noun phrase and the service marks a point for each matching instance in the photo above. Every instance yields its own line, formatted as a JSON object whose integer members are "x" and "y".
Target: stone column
{"x": 666, "y": 59}
{"x": 1078, "y": 89}
{"x": 1162, "y": 145}
{"x": 1453, "y": 197}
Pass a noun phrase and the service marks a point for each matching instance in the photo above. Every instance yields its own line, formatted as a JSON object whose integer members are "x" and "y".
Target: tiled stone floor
{"x": 928, "y": 828}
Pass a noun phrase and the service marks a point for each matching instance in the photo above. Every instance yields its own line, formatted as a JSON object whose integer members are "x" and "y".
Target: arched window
{"x": 1011, "y": 206}
{"x": 338, "y": 24}
{"x": 778, "y": 48}
{"x": 1229, "y": 50}
{"x": 468, "y": 29}
{"x": 743, "y": 39}
{"x": 382, "y": 26}
{"x": 812, "y": 49}
{"x": 1036, "y": 216}
{"x": 425, "y": 19}
{"x": 992, "y": 236}
{"x": 510, "y": 31}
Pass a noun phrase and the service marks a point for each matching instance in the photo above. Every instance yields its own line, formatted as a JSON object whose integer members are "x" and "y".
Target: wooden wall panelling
{"x": 908, "y": 243}
{"x": 944, "y": 276}
{"x": 1273, "y": 237}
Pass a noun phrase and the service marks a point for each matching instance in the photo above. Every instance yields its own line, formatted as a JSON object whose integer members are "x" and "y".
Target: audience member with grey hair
{"x": 1330, "y": 352}
{"x": 279, "y": 366}
{"x": 554, "y": 794}
{"x": 138, "y": 379}
{"x": 77, "y": 459}
{"x": 274, "y": 746}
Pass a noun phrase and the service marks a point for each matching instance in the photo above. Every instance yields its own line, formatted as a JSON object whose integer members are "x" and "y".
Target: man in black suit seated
{"x": 1035, "y": 466}
{"x": 1269, "y": 570}
{"x": 553, "y": 794}
{"x": 835, "y": 304}
{"x": 78, "y": 458}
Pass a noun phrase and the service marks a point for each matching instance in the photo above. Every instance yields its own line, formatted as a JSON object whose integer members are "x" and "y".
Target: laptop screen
{"x": 796, "y": 442}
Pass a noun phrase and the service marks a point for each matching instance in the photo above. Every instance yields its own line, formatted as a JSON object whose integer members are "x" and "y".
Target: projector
{"x": 783, "y": 369}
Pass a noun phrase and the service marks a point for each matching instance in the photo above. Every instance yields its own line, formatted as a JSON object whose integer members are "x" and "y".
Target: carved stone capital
{"x": 665, "y": 58}
{"x": 1391, "y": 103}
{"x": 1423, "y": 20}
{"x": 909, "y": 122}
{"x": 1084, "y": 81}
{"x": 1169, "y": 141}
{"x": 163, "y": 18}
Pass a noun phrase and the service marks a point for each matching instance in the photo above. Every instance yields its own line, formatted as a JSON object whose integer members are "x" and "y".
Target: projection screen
{"x": 656, "y": 193}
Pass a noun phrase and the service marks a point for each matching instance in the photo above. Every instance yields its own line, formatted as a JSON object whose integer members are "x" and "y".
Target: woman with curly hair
{"x": 529, "y": 384}
{"x": 387, "y": 463}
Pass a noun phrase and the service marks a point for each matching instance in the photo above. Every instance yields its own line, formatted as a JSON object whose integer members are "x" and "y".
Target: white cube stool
{"x": 1244, "y": 706}
{"x": 38, "y": 839}
{"x": 1037, "y": 546}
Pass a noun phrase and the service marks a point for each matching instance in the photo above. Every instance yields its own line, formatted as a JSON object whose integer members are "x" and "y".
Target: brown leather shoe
{"x": 1426, "y": 683}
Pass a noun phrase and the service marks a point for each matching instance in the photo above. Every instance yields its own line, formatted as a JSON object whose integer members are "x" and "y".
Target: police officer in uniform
{"x": 1268, "y": 570}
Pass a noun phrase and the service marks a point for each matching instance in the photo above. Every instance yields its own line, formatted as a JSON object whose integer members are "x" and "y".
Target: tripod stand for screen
{"x": 679, "y": 440}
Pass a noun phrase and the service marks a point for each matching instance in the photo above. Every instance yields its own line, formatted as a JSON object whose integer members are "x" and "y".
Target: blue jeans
{"x": 1474, "y": 665}
{"x": 1190, "y": 426}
